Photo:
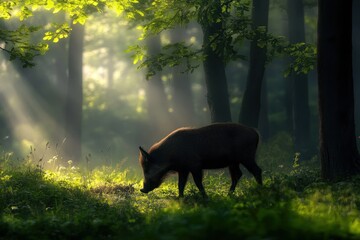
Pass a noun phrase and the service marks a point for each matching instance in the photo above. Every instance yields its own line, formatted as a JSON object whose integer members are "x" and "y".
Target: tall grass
{"x": 105, "y": 203}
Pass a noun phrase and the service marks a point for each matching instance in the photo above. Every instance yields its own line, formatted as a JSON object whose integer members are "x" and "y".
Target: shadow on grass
{"x": 36, "y": 208}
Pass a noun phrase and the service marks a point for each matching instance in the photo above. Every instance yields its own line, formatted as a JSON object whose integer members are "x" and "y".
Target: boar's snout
{"x": 149, "y": 185}
{"x": 143, "y": 190}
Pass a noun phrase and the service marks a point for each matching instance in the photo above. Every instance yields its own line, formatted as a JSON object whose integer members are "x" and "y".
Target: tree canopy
{"x": 236, "y": 29}
{"x": 152, "y": 17}
{"x": 17, "y": 39}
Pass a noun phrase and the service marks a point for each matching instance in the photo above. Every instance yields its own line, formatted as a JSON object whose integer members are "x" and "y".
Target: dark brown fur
{"x": 190, "y": 150}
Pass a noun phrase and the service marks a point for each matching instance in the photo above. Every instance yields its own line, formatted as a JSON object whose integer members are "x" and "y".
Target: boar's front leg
{"x": 198, "y": 175}
{"x": 183, "y": 176}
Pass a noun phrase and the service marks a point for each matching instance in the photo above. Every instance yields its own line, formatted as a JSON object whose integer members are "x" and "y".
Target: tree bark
{"x": 251, "y": 104}
{"x": 214, "y": 67}
{"x": 356, "y": 65}
{"x": 264, "y": 127}
{"x": 301, "y": 110}
{"x": 74, "y": 99}
{"x": 338, "y": 152}
{"x": 289, "y": 106}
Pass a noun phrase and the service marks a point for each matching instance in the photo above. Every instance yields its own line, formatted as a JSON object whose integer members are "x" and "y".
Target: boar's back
{"x": 214, "y": 146}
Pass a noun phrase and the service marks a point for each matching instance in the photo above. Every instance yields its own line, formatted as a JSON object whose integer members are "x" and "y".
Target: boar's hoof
{"x": 143, "y": 191}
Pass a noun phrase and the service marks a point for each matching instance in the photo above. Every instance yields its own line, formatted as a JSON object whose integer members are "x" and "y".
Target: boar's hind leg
{"x": 236, "y": 174}
{"x": 255, "y": 170}
{"x": 198, "y": 175}
{"x": 183, "y": 176}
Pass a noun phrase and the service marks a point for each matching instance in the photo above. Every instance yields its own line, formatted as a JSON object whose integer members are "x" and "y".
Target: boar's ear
{"x": 144, "y": 154}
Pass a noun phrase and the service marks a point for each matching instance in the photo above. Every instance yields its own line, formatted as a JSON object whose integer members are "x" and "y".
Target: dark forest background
{"x": 84, "y": 83}
{"x": 241, "y": 61}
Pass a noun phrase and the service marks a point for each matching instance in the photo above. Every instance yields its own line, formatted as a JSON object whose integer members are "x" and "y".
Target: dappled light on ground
{"x": 73, "y": 202}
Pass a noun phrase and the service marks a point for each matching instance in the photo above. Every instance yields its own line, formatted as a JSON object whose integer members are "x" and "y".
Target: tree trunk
{"x": 61, "y": 79}
{"x": 289, "y": 106}
{"x": 301, "y": 111}
{"x": 214, "y": 69}
{"x": 250, "y": 108}
{"x": 183, "y": 102}
{"x": 338, "y": 152}
{"x": 356, "y": 65}
{"x": 157, "y": 102}
{"x": 264, "y": 115}
{"x": 110, "y": 68}
{"x": 73, "y": 106}
{"x": 61, "y": 66}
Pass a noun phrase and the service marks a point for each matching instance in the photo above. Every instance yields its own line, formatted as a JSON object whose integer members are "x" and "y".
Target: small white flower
{"x": 61, "y": 168}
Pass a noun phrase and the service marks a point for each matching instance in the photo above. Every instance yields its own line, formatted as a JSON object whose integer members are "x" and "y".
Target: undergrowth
{"x": 105, "y": 203}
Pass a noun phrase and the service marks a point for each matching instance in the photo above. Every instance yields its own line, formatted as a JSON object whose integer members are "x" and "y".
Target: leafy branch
{"x": 17, "y": 42}
{"x": 171, "y": 55}
{"x": 234, "y": 17}
{"x": 17, "y": 45}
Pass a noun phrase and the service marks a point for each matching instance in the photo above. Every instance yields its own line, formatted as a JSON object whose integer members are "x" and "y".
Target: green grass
{"x": 105, "y": 203}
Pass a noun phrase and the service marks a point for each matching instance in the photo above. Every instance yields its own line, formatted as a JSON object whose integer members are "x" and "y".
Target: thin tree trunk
{"x": 61, "y": 80}
{"x": 157, "y": 102}
{"x": 73, "y": 107}
{"x": 338, "y": 152}
{"x": 61, "y": 65}
{"x": 110, "y": 68}
{"x": 301, "y": 110}
{"x": 289, "y": 106}
{"x": 183, "y": 101}
{"x": 264, "y": 127}
{"x": 61, "y": 68}
{"x": 250, "y": 108}
{"x": 214, "y": 69}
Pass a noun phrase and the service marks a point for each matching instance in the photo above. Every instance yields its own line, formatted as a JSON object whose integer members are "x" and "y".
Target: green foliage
{"x": 18, "y": 46}
{"x": 164, "y": 15}
{"x": 303, "y": 56}
{"x": 154, "y": 17}
{"x": 172, "y": 55}
{"x": 62, "y": 31}
{"x": 236, "y": 27}
{"x": 17, "y": 42}
{"x": 106, "y": 203}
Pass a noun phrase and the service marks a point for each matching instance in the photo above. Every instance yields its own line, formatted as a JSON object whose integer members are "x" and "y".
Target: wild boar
{"x": 190, "y": 150}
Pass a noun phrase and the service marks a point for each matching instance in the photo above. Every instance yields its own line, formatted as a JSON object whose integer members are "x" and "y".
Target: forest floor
{"x": 105, "y": 203}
